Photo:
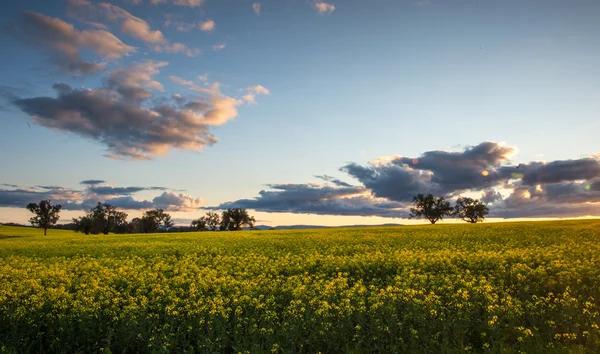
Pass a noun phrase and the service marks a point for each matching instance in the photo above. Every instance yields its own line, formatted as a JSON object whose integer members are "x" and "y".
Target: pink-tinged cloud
{"x": 207, "y": 26}
{"x": 135, "y": 81}
{"x": 323, "y": 7}
{"x": 219, "y": 47}
{"x": 181, "y": 81}
{"x": 64, "y": 43}
{"x": 253, "y": 91}
{"x": 256, "y": 8}
{"x": 133, "y": 26}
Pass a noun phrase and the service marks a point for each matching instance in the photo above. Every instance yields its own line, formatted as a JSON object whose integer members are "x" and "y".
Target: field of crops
{"x": 510, "y": 287}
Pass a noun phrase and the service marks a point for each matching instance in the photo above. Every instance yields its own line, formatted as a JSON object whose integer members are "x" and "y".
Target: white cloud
{"x": 218, "y": 47}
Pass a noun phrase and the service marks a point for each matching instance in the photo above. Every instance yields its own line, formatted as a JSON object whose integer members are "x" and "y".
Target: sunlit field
{"x": 509, "y": 287}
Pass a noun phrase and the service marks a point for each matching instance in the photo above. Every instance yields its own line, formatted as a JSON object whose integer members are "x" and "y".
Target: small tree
{"x": 235, "y": 219}
{"x": 84, "y": 224}
{"x": 199, "y": 224}
{"x": 213, "y": 220}
{"x": 470, "y": 210}
{"x": 46, "y": 214}
{"x": 152, "y": 220}
{"x": 430, "y": 208}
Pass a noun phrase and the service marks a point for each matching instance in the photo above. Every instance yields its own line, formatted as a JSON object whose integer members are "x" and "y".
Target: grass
{"x": 507, "y": 287}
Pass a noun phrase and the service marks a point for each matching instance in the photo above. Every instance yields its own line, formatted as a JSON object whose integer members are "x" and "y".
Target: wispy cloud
{"x": 253, "y": 91}
{"x": 256, "y": 8}
{"x": 64, "y": 43}
{"x": 218, "y": 47}
{"x": 133, "y": 26}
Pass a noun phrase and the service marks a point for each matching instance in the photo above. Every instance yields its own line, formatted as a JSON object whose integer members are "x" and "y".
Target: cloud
{"x": 318, "y": 199}
{"x": 323, "y": 7}
{"x": 143, "y": 129}
{"x": 256, "y": 8}
{"x": 180, "y": 81}
{"x": 333, "y": 180}
{"x": 563, "y": 188}
{"x": 133, "y": 26}
{"x": 207, "y": 26}
{"x": 64, "y": 43}
{"x": 110, "y": 190}
{"x": 219, "y": 47}
{"x": 188, "y": 3}
{"x": 120, "y": 197}
{"x": 92, "y": 181}
{"x": 135, "y": 82}
{"x": 253, "y": 91}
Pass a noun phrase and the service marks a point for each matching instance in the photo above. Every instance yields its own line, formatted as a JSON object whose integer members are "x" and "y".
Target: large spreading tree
{"x": 46, "y": 214}
{"x": 470, "y": 210}
{"x": 235, "y": 219}
{"x": 430, "y": 208}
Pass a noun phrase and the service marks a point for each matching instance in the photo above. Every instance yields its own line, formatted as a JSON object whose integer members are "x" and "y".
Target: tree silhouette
{"x": 46, "y": 214}
{"x": 430, "y": 208}
{"x": 199, "y": 224}
{"x": 470, "y": 210}
{"x": 153, "y": 219}
{"x": 235, "y": 219}
{"x": 107, "y": 219}
{"x": 213, "y": 220}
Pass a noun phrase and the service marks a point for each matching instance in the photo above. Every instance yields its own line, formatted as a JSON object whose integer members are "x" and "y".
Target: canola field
{"x": 500, "y": 288}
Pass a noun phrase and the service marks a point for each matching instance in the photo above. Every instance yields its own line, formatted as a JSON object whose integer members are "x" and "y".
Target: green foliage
{"x": 46, "y": 214}
{"x": 499, "y": 288}
{"x": 470, "y": 210}
{"x": 430, "y": 208}
{"x": 235, "y": 219}
{"x": 104, "y": 218}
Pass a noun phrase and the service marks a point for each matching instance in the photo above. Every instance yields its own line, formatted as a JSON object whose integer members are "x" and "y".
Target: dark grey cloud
{"x": 491, "y": 196}
{"x": 92, "y": 181}
{"x": 333, "y": 180}
{"x": 64, "y": 43}
{"x": 10, "y": 185}
{"x": 318, "y": 199}
{"x": 560, "y": 171}
{"x": 110, "y": 190}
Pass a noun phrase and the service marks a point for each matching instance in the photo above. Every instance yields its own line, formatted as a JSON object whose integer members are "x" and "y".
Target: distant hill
{"x": 299, "y": 227}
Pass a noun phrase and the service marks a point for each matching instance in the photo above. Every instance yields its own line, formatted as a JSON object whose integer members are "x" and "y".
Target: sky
{"x": 305, "y": 112}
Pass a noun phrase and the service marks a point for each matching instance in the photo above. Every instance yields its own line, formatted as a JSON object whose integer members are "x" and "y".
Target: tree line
{"x": 105, "y": 218}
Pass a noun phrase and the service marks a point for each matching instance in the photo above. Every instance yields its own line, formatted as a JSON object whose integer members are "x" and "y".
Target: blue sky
{"x": 342, "y": 82}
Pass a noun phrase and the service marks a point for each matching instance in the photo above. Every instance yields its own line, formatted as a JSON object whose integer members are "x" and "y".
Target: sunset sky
{"x": 304, "y": 112}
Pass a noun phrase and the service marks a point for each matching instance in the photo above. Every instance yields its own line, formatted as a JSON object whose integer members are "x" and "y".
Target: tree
{"x": 470, "y": 210}
{"x": 235, "y": 219}
{"x": 152, "y": 220}
{"x": 107, "y": 219}
{"x": 46, "y": 214}
{"x": 199, "y": 224}
{"x": 134, "y": 226}
{"x": 213, "y": 220}
{"x": 430, "y": 208}
{"x": 84, "y": 224}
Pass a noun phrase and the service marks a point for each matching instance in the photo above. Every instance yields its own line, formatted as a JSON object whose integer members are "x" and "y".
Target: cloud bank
{"x": 563, "y": 188}
{"x": 120, "y": 197}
